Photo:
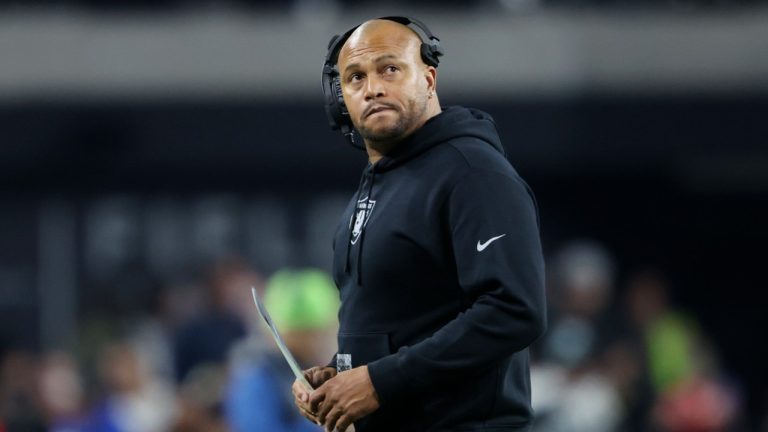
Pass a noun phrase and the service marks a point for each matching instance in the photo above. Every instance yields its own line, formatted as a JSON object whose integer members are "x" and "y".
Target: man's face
{"x": 384, "y": 81}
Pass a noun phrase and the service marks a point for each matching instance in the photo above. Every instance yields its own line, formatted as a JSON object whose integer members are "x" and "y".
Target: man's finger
{"x": 305, "y": 410}
{"x": 325, "y": 374}
{"x": 302, "y": 405}
{"x": 316, "y": 398}
{"x": 319, "y": 375}
{"x": 308, "y": 415}
{"x": 315, "y": 378}
{"x": 310, "y": 373}
{"x": 299, "y": 392}
{"x": 323, "y": 410}
{"x": 332, "y": 418}
{"x": 343, "y": 423}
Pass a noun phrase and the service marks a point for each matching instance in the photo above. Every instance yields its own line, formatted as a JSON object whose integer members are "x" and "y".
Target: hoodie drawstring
{"x": 352, "y": 221}
{"x": 362, "y": 228}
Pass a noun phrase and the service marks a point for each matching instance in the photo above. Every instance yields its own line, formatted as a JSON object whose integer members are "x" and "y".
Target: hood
{"x": 453, "y": 122}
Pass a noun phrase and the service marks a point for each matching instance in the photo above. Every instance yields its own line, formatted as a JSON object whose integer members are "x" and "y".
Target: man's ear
{"x": 430, "y": 74}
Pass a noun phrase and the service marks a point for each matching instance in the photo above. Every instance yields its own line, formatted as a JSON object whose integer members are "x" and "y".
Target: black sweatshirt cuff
{"x": 386, "y": 378}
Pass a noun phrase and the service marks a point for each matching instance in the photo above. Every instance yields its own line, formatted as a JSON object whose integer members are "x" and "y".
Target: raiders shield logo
{"x": 360, "y": 218}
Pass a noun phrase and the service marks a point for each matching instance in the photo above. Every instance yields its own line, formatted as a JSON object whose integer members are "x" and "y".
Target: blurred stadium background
{"x": 159, "y": 157}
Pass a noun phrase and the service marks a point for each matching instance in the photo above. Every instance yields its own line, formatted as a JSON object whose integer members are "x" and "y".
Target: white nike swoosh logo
{"x": 481, "y": 246}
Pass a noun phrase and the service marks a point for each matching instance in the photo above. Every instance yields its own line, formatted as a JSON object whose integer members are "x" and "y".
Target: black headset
{"x": 338, "y": 116}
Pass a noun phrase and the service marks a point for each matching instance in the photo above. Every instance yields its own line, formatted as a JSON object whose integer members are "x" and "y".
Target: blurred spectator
{"x": 572, "y": 401}
{"x": 693, "y": 396}
{"x": 669, "y": 335}
{"x": 208, "y": 337}
{"x": 623, "y": 364}
{"x": 580, "y": 293}
{"x": 152, "y": 335}
{"x": 700, "y": 403}
{"x": 62, "y": 392}
{"x": 133, "y": 400}
{"x": 200, "y": 398}
{"x": 572, "y": 390}
{"x": 303, "y": 305}
{"x": 19, "y": 410}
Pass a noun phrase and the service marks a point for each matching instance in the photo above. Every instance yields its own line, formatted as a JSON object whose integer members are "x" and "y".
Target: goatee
{"x": 396, "y": 132}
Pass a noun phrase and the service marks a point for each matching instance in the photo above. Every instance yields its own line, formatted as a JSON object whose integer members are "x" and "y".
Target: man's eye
{"x": 391, "y": 69}
{"x": 355, "y": 77}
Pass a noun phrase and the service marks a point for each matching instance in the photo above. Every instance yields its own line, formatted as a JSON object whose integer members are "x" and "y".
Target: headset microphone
{"x": 335, "y": 109}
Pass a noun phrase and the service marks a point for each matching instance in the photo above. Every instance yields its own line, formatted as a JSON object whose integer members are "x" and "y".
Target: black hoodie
{"x": 440, "y": 271}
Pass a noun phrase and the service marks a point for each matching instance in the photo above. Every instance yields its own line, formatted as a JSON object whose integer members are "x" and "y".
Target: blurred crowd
{"x": 618, "y": 356}
{"x": 625, "y": 358}
{"x": 199, "y": 360}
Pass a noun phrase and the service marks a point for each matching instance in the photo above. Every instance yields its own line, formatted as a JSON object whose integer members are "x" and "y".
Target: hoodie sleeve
{"x": 493, "y": 225}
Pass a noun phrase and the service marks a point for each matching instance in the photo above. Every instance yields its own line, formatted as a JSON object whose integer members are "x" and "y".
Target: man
{"x": 437, "y": 258}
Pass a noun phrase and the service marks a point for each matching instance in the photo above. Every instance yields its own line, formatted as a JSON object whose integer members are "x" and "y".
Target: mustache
{"x": 378, "y": 106}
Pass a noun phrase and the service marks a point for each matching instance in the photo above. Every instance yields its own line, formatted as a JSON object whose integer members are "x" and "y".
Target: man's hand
{"x": 316, "y": 377}
{"x": 347, "y": 397}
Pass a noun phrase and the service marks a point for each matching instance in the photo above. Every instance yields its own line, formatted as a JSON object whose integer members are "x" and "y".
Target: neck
{"x": 379, "y": 149}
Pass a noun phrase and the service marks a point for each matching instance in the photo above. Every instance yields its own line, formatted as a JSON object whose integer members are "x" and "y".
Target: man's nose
{"x": 374, "y": 88}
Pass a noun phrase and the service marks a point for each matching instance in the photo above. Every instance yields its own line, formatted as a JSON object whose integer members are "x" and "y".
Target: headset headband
{"x": 427, "y": 38}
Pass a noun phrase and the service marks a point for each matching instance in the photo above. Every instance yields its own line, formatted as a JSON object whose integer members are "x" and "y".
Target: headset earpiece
{"x": 431, "y": 51}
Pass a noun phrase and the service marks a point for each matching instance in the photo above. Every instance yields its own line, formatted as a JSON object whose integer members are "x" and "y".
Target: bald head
{"x": 388, "y": 89}
{"x": 382, "y": 34}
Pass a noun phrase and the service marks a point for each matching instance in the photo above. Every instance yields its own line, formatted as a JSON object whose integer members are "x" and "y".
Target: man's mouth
{"x": 377, "y": 109}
